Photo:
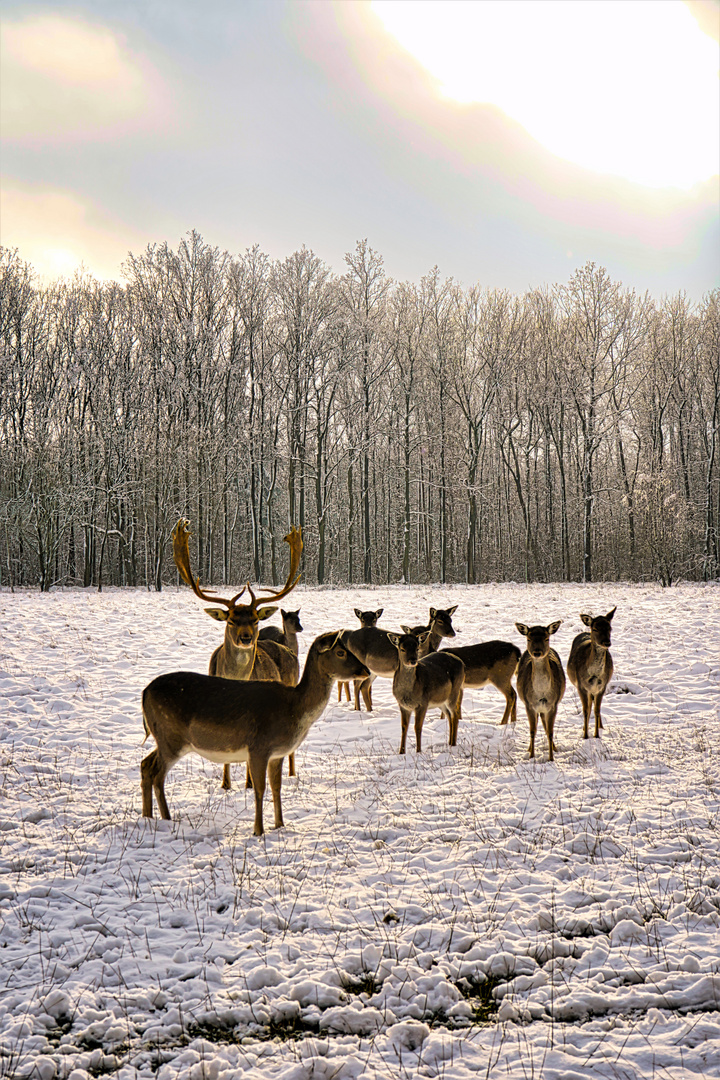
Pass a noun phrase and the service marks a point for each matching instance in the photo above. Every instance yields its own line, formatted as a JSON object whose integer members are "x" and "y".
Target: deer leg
{"x": 453, "y": 718}
{"x": 404, "y": 725}
{"x": 532, "y": 721}
{"x": 275, "y": 778}
{"x": 291, "y": 765}
{"x": 598, "y": 721}
{"x": 419, "y": 721}
{"x": 510, "y": 700}
{"x": 459, "y": 704}
{"x": 258, "y": 770}
{"x": 153, "y": 770}
{"x": 548, "y": 720}
{"x": 226, "y": 782}
{"x": 364, "y": 687}
{"x": 586, "y": 702}
{"x": 248, "y": 776}
{"x": 147, "y": 772}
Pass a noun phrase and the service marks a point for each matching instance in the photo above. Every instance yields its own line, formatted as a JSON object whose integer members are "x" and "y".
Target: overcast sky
{"x": 506, "y": 144}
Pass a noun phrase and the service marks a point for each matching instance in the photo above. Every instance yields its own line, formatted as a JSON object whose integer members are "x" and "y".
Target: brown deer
{"x": 367, "y": 618}
{"x": 288, "y": 636}
{"x": 440, "y": 626}
{"x": 492, "y": 662}
{"x": 373, "y": 648}
{"x": 241, "y": 656}
{"x": 540, "y": 681}
{"x": 227, "y": 720}
{"x": 422, "y": 682}
{"x": 590, "y": 666}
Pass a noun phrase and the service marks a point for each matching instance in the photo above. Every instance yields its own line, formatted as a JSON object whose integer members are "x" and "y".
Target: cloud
{"x": 57, "y": 232}
{"x": 62, "y": 77}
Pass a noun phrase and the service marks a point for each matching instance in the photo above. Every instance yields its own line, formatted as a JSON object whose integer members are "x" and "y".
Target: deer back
{"x": 487, "y": 662}
{"x": 373, "y": 648}
{"x": 283, "y": 659}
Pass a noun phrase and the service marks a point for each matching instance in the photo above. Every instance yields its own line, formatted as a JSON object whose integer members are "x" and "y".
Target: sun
{"x": 58, "y": 262}
{"x": 624, "y": 88}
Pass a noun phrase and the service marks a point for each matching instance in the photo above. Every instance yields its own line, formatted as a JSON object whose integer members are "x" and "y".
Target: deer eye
{"x": 341, "y": 653}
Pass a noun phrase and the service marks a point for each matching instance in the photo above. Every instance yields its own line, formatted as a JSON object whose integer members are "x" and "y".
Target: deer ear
{"x": 587, "y": 619}
{"x": 452, "y": 610}
{"x": 422, "y": 638}
{"x": 358, "y": 612}
{"x": 433, "y": 612}
{"x": 219, "y": 614}
{"x": 611, "y": 613}
{"x": 265, "y": 612}
{"x": 379, "y": 612}
{"x": 406, "y": 629}
{"x": 554, "y": 627}
{"x": 395, "y": 639}
{"x": 522, "y": 629}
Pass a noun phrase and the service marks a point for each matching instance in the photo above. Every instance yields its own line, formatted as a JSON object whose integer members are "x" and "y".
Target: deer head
{"x": 600, "y": 628}
{"x": 241, "y": 620}
{"x": 538, "y": 638}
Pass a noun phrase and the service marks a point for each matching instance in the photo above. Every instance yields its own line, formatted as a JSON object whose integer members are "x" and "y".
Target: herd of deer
{"x": 252, "y": 706}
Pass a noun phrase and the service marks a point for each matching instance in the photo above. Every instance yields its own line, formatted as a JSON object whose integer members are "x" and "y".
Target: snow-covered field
{"x": 449, "y": 914}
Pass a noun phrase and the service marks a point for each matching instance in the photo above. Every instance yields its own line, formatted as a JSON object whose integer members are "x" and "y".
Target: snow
{"x": 459, "y": 912}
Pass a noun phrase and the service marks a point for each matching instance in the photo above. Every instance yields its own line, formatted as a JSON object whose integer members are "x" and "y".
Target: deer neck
{"x": 312, "y": 693}
{"x": 430, "y": 645}
{"x": 404, "y": 679}
{"x": 597, "y": 658}
{"x": 237, "y": 663}
{"x": 543, "y": 675}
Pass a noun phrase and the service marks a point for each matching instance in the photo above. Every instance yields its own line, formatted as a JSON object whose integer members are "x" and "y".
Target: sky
{"x": 506, "y": 143}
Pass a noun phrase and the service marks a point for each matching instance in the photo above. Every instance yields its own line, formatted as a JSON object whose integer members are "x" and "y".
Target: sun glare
{"x": 58, "y": 262}
{"x": 624, "y": 88}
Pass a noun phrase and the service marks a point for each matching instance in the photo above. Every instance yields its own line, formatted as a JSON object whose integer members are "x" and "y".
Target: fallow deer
{"x": 373, "y": 648}
{"x": 227, "y": 720}
{"x": 422, "y": 682}
{"x": 288, "y": 636}
{"x": 540, "y": 681}
{"x": 439, "y": 627}
{"x": 492, "y": 662}
{"x": 590, "y": 666}
{"x": 367, "y": 618}
{"x": 241, "y": 656}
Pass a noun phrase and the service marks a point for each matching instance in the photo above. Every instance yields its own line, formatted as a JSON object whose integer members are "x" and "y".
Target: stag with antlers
{"x": 242, "y": 655}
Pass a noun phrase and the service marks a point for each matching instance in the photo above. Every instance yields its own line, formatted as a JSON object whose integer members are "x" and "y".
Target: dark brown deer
{"x": 540, "y": 681}
{"x": 241, "y": 656}
{"x": 367, "y": 618}
{"x": 422, "y": 682}
{"x": 227, "y": 720}
{"x": 491, "y": 662}
{"x": 590, "y": 666}
{"x": 439, "y": 627}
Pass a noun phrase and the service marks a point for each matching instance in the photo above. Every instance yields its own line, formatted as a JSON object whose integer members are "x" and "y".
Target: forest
{"x": 418, "y": 433}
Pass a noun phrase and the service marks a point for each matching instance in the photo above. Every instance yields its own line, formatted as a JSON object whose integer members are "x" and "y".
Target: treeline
{"x": 417, "y": 433}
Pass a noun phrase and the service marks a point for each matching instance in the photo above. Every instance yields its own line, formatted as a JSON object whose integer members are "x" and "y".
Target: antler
{"x": 181, "y": 555}
{"x": 294, "y": 539}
